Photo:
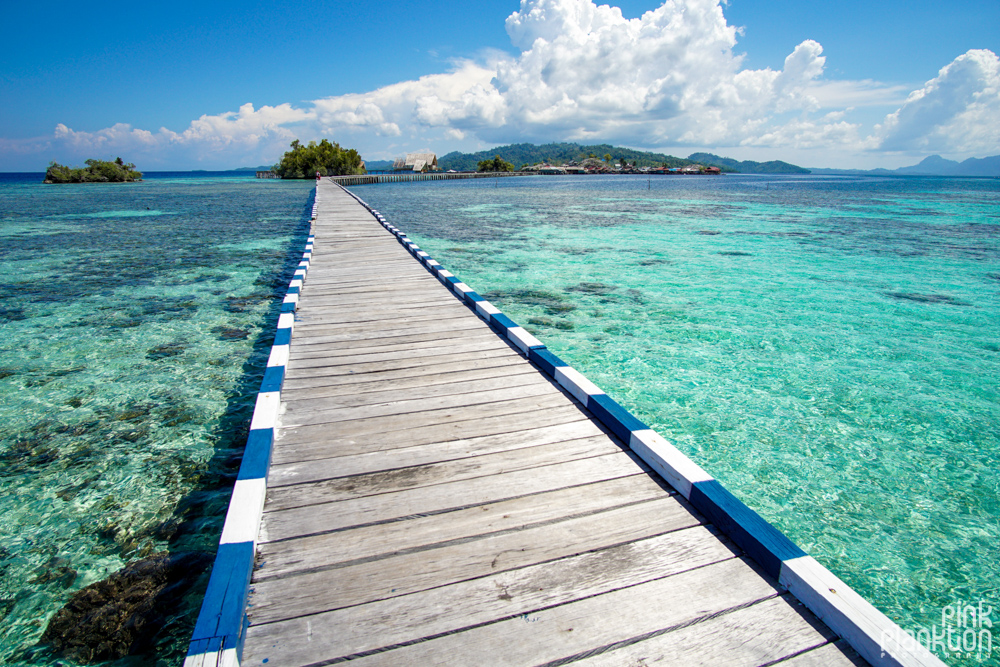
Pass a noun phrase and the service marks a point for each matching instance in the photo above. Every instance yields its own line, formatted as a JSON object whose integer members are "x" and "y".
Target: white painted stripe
{"x": 279, "y": 355}
{"x": 245, "y": 509}
{"x": 433, "y": 264}
{"x": 286, "y": 320}
{"x": 301, "y": 273}
{"x": 574, "y": 382}
{"x": 462, "y": 289}
{"x": 869, "y": 631}
{"x": 227, "y": 658}
{"x": 295, "y": 283}
{"x": 485, "y": 308}
{"x": 304, "y": 263}
{"x": 291, "y": 298}
{"x": 307, "y": 255}
{"x": 265, "y": 412}
{"x": 445, "y": 274}
{"x": 677, "y": 469}
{"x": 522, "y": 339}
{"x": 423, "y": 254}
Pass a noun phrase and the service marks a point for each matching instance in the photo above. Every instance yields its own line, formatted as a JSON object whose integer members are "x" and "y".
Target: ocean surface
{"x": 136, "y": 321}
{"x": 827, "y": 347}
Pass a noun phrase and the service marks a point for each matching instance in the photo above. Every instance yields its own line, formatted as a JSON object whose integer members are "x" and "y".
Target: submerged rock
{"x": 121, "y": 615}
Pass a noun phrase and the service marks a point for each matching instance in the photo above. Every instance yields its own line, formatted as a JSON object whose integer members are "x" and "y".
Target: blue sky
{"x": 227, "y": 84}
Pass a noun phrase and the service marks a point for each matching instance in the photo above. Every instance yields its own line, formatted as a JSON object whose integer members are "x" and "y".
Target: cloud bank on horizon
{"x": 667, "y": 80}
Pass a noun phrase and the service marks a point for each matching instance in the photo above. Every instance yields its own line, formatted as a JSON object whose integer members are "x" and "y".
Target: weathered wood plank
{"x": 312, "y": 445}
{"x": 440, "y": 419}
{"x": 422, "y": 375}
{"x": 315, "y": 515}
{"x": 307, "y": 344}
{"x": 302, "y": 413}
{"x": 419, "y": 358}
{"x": 696, "y": 555}
{"x": 835, "y": 654}
{"x": 375, "y": 385}
{"x": 293, "y": 554}
{"x": 413, "y": 455}
{"x": 450, "y": 343}
{"x": 759, "y": 634}
{"x": 321, "y": 481}
{"x": 404, "y": 563}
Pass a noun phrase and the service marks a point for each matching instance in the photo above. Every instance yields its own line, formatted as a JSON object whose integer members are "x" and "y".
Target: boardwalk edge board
{"x": 222, "y": 622}
{"x": 870, "y": 632}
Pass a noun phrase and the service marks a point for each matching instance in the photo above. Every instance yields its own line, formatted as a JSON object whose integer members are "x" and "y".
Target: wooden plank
{"x": 323, "y": 481}
{"x": 834, "y": 654}
{"x": 289, "y": 555}
{"x": 697, "y": 555}
{"x": 759, "y": 634}
{"x": 448, "y": 342}
{"x": 440, "y": 420}
{"x": 330, "y": 516}
{"x": 423, "y": 374}
{"x": 405, "y": 456}
{"x": 309, "y": 447}
{"x": 437, "y": 390}
{"x": 756, "y": 634}
{"x": 400, "y": 562}
{"x": 428, "y": 358}
{"x": 302, "y": 413}
{"x": 307, "y": 334}
{"x": 374, "y": 385}
{"x": 307, "y": 343}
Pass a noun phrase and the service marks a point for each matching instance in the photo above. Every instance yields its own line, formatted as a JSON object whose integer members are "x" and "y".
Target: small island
{"x": 324, "y": 158}
{"x": 96, "y": 171}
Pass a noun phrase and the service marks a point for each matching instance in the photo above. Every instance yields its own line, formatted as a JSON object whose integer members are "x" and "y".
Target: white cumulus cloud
{"x": 957, "y": 111}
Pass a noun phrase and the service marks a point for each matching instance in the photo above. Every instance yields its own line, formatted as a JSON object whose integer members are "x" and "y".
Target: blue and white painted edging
{"x": 870, "y": 632}
{"x": 222, "y": 622}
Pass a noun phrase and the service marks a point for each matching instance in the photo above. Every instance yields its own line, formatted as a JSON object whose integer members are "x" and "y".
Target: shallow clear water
{"x": 136, "y": 320}
{"x": 829, "y": 348}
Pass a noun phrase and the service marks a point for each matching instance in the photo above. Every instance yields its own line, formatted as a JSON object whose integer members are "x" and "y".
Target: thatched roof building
{"x": 416, "y": 162}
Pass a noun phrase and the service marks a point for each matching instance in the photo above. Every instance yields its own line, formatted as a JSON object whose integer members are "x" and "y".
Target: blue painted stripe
{"x": 288, "y": 307}
{"x": 618, "y": 419}
{"x": 451, "y": 281}
{"x": 473, "y": 297}
{"x": 222, "y": 611}
{"x": 502, "y": 322}
{"x": 545, "y": 360}
{"x": 763, "y": 542}
{"x": 283, "y": 337}
{"x": 274, "y": 377}
{"x": 257, "y": 455}
{"x": 293, "y": 290}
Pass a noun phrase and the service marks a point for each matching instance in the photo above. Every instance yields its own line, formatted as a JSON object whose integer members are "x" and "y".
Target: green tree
{"x": 326, "y": 158}
{"x": 96, "y": 171}
{"x": 607, "y": 157}
{"x": 496, "y": 164}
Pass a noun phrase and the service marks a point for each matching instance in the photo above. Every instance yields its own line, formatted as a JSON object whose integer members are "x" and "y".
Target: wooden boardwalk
{"x": 435, "y": 499}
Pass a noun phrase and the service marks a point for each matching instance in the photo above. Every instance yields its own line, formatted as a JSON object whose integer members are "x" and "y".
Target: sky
{"x": 221, "y": 84}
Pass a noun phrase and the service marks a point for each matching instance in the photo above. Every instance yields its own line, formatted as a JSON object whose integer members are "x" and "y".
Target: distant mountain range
{"x": 747, "y": 166}
{"x": 935, "y": 165}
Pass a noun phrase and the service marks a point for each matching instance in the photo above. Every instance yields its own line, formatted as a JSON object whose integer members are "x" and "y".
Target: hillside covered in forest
{"x": 523, "y": 155}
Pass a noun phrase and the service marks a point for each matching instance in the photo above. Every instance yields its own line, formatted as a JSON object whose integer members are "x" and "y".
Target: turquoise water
{"x": 136, "y": 321}
{"x": 829, "y": 348}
